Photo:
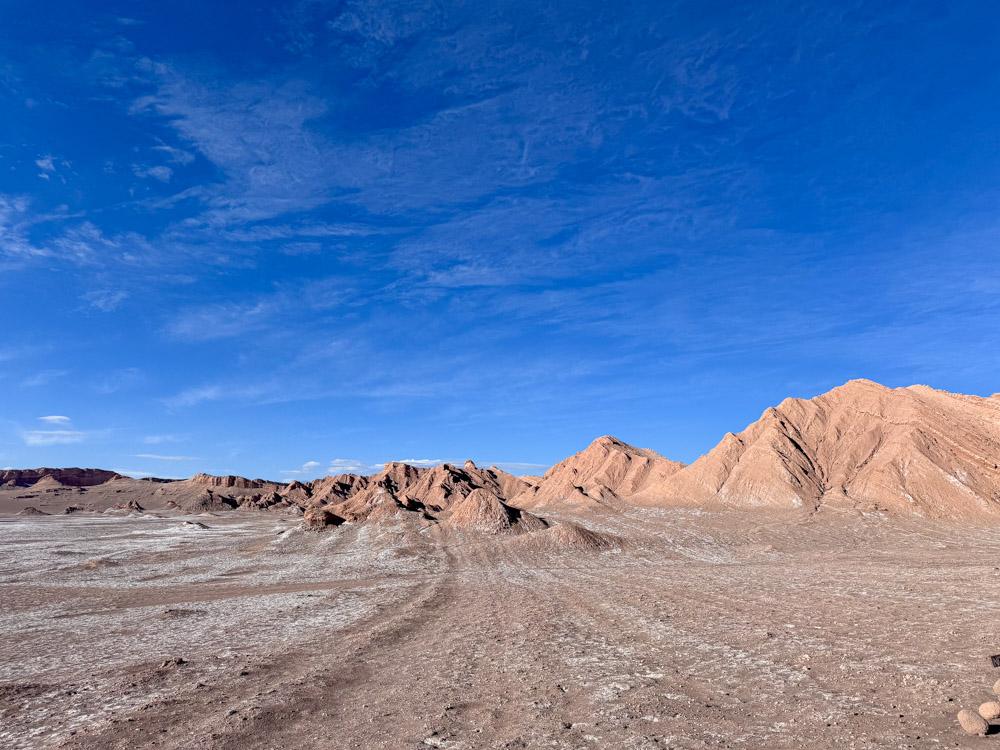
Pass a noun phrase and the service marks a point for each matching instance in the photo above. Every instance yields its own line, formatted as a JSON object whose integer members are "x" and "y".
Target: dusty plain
{"x": 763, "y": 629}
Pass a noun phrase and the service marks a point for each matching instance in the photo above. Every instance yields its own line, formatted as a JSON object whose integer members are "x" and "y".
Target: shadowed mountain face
{"x": 861, "y": 446}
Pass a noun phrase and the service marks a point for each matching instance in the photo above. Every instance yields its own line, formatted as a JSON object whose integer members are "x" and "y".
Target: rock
{"x": 233, "y": 482}
{"x": 65, "y": 477}
{"x": 973, "y": 723}
{"x": 132, "y": 504}
{"x": 484, "y": 511}
{"x": 318, "y": 518}
{"x": 31, "y": 510}
{"x": 990, "y": 710}
{"x": 192, "y": 525}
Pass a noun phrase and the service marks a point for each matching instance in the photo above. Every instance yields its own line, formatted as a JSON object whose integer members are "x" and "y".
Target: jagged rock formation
{"x": 400, "y": 487}
{"x": 863, "y": 446}
{"x": 318, "y": 518}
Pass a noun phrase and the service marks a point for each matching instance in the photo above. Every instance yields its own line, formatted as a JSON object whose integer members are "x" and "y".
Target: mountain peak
{"x": 861, "y": 445}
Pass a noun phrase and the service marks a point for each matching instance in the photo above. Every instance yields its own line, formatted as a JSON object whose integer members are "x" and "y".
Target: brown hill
{"x": 484, "y": 511}
{"x": 862, "y": 446}
{"x": 565, "y": 535}
{"x": 607, "y": 470}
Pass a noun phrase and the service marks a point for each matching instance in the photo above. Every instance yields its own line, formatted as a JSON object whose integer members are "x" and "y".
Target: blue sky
{"x": 287, "y": 239}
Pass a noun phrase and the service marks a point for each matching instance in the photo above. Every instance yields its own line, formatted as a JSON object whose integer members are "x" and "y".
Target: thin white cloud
{"x": 55, "y": 419}
{"x": 43, "y": 378}
{"x": 194, "y": 396}
{"x": 166, "y": 458}
{"x": 159, "y": 439}
{"x": 118, "y": 380}
{"x": 309, "y": 467}
{"x": 105, "y": 300}
{"x": 45, "y": 164}
{"x": 421, "y": 462}
{"x": 350, "y": 466}
{"x": 176, "y": 155}
{"x": 39, "y": 438}
{"x": 160, "y": 172}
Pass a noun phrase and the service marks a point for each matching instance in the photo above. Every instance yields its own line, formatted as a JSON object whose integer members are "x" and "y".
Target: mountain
{"x": 64, "y": 477}
{"x": 861, "y": 446}
{"x": 482, "y": 510}
{"x": 606, "y": 471}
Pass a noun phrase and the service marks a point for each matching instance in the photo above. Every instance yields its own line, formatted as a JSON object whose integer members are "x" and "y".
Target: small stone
{"x": 990, "y": 710}
{"x": 973, "y": 723}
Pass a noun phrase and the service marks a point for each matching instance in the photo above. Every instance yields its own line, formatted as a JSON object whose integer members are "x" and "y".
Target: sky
{"x": 295, "y": 239}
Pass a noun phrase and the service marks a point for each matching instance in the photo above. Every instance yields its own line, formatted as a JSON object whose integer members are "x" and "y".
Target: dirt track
{"x": 707, "y": 630}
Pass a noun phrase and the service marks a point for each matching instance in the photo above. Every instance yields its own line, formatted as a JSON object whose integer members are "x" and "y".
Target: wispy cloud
{"x": 158, "y": 172}
{"x": 41, "y": 438}
{"x": 422, "y": 462}
{"x": 119, "y": 380}
{"x": 176, "y": 155}
{"x": 43, "y": 378}
{"x": 292, "y": 304}
{"x": 195, "y": 396}
{"x": 160, "y": 439}
{"x": 308, "y": 468}
{"x": 166, "y": 458}
{"x": 105, "y": 300}
{"x": 350, "y": 466}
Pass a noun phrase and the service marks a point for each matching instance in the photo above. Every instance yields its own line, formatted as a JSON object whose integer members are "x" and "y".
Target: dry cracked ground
{"x": 722, "y": 630}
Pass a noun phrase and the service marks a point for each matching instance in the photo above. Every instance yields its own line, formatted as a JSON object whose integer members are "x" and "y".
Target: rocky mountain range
{"x": 860, "y": 447}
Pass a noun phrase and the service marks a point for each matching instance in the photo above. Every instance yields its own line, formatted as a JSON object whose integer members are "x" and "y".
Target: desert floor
{"x": 703, "y": 630}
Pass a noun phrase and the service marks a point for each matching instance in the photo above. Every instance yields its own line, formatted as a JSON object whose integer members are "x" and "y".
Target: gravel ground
{"x": 699, "y": 630}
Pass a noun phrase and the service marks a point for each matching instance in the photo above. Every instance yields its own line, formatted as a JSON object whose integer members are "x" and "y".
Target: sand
{"x": 705, "y": 629}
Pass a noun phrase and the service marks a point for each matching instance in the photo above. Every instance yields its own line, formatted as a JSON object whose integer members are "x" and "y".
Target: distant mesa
{"x": 232, "y": 482}
{"x": 861, "y": 447}
{"x": 57, "y": 477}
